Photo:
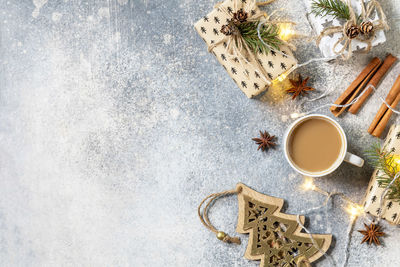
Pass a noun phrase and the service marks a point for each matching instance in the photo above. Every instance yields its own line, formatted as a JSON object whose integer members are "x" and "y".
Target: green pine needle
{"x": 336, "y": 8}
{"x": 269, "y": 34}
{"x": 384, "y": 163}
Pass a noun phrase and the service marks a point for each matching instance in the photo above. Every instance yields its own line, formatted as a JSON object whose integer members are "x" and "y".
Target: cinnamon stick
{"x": 385, "y": 119}
{"x": 359, "y": 88}
{"x": 390, "y": 98}
{"x": 350, "y": 92}
{"x": 383, "y": 69}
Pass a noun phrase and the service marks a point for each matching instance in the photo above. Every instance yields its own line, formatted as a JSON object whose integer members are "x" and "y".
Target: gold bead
{"x": 221, "y": 235}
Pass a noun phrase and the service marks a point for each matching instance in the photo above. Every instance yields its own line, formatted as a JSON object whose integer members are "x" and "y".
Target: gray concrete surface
{"x": 115, "y": 121}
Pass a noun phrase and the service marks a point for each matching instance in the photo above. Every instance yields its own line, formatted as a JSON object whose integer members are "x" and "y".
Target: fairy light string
{"x": 285, "y": 33}
{"x": 296, "y": 115}
{"x": 353, "y": 209}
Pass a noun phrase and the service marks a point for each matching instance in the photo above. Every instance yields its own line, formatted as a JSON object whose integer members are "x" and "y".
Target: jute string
{"x": 236, "y": 47}
{"x": 203, "y": 215}
{"x": 366, "y": 13}
{"x": 267, "y": 19}
{"x": 380, "y": 24}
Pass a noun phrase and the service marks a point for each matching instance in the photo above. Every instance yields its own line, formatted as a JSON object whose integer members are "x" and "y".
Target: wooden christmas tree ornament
{"x": 275, "y": 238}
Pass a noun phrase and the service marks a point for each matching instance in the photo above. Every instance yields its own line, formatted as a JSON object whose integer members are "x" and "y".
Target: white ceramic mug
{"x": 343, "y": 156}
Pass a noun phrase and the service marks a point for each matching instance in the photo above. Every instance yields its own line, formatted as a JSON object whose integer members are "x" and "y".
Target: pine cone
{"x": 227, "y": 29}
{"x": 352, "y": 32}
{"x": 366, "y": 27}
{"x": 239, "y": 17}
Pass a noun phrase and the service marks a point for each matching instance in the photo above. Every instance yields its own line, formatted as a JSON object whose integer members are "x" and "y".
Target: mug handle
{"x": 353, "y": 159}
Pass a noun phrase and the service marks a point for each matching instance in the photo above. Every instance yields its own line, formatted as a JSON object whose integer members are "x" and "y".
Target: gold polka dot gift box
{"x": 252, "y": 71}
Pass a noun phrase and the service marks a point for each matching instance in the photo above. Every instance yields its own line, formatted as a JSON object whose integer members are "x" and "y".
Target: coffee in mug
{"x": 316, "y": 145}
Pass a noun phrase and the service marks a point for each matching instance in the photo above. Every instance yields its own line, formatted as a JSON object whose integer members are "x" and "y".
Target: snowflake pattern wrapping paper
{"x": 327, "y": 42}
{"x": 245, "y": 75}
{"x": 390, "y": 208}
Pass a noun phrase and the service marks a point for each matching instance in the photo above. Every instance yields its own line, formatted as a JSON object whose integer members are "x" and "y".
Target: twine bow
{"x": 236, "y": 47}
{"x": 346, "y": 29}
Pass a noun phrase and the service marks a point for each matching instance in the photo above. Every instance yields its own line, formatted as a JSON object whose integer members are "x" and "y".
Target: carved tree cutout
{"x": 275, "y": 237}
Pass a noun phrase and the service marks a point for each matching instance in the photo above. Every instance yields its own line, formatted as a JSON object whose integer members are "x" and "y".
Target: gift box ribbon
{"x": 236, "y": 47}
{"x": 380, "y": 24}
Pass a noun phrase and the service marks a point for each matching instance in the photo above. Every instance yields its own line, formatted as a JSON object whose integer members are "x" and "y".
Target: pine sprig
{"x": 385, "y": 163}
{"x": 269, "y": 34}
{"x": 336, "y": 8}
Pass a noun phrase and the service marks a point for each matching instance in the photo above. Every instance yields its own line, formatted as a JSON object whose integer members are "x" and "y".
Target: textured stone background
{"x": 115, "y": 121}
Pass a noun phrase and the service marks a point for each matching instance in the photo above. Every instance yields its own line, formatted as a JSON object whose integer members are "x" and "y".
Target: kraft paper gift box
{"x": 390, "y": 209}
{"x": 326, "y": 45}
{"x": 244, "y": 74}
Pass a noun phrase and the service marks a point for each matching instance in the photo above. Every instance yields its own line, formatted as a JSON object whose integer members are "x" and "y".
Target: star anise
{"x": 299, "y": 87}
{"x": 372, "y": 234}
{"x": 265, "y": 141}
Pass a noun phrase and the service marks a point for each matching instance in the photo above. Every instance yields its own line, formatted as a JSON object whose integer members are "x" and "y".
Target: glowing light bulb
{"x": 308, "y": 184}
{"x": 282, "y": 77}
{"x": 285, "y": 31}
{"x": 355, "y": 210}
{"x": 394, "y": 163}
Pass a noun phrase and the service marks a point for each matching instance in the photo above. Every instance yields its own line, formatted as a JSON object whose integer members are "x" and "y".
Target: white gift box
{"x": 327, "y": 42}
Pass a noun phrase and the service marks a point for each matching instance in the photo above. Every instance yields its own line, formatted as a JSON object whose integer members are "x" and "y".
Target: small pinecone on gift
{"x": 227, "y": 29}
{"x": 239, "y": 17}
{"x": 366, "y": 27}
{"x": 352, "y": 32}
